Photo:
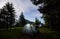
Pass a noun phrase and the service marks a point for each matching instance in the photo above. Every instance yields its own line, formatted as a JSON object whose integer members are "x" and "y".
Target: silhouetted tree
{"x": 7, "y": 15}
{"x": 50, "y": 11}
{"x": 37, "y": 23}
{"x": 2, "y": 18}
{"x": 10, "y": 19}
{"x": 22, "y": 20}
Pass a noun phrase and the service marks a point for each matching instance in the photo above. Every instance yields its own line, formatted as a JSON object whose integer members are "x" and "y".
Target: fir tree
{"x": 22, "y": 20}
{"x": 10, "y": 15}
{"x": 7, "y": 15}
{"x": 50, "y": 11}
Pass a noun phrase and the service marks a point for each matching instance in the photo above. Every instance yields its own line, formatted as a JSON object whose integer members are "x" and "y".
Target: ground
{"x": 15, "y": 33}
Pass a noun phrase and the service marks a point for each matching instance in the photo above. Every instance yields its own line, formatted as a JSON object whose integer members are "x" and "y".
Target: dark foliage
{"x": 37, "y": 23}
{"x": 7, "y": 16}
{"x": 37, "y": 2}
{"x": 51, "y": 13}
{"x": 22, "y": 20}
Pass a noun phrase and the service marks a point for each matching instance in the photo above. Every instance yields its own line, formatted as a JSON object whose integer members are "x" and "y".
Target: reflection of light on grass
{"x": 29, "y": 29}
{"x": 28, "y": 25}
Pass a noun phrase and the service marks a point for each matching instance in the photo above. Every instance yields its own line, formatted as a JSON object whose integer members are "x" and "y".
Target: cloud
{"x": 2, "y": 2}
{"x": 25, "y": 6}
{"x": 20, "y": 5}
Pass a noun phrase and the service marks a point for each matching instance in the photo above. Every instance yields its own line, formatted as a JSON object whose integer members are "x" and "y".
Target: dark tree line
{"x": 7, "y": 16}
{"x": 51, "y": 12}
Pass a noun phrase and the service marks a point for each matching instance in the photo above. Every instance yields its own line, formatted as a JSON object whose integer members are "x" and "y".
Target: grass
{"x": 11, "y": 32}
{"x": 15, "y": 33}
{"x": 45, "y": 30}
{"x": 48, "y": 33}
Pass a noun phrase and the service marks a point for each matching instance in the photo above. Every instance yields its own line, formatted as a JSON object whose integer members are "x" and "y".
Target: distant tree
{"x": 22, "y": 20}
{"x": 37, "y": 23}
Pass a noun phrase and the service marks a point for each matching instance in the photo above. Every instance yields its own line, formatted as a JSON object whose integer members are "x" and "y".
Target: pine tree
{"x": 22, "y": 20}
{"x": 10, "y": 15}
{"x": 51, "y": 12}
{"x": 2, "y": 18}
{"x": 7, "y": 15}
